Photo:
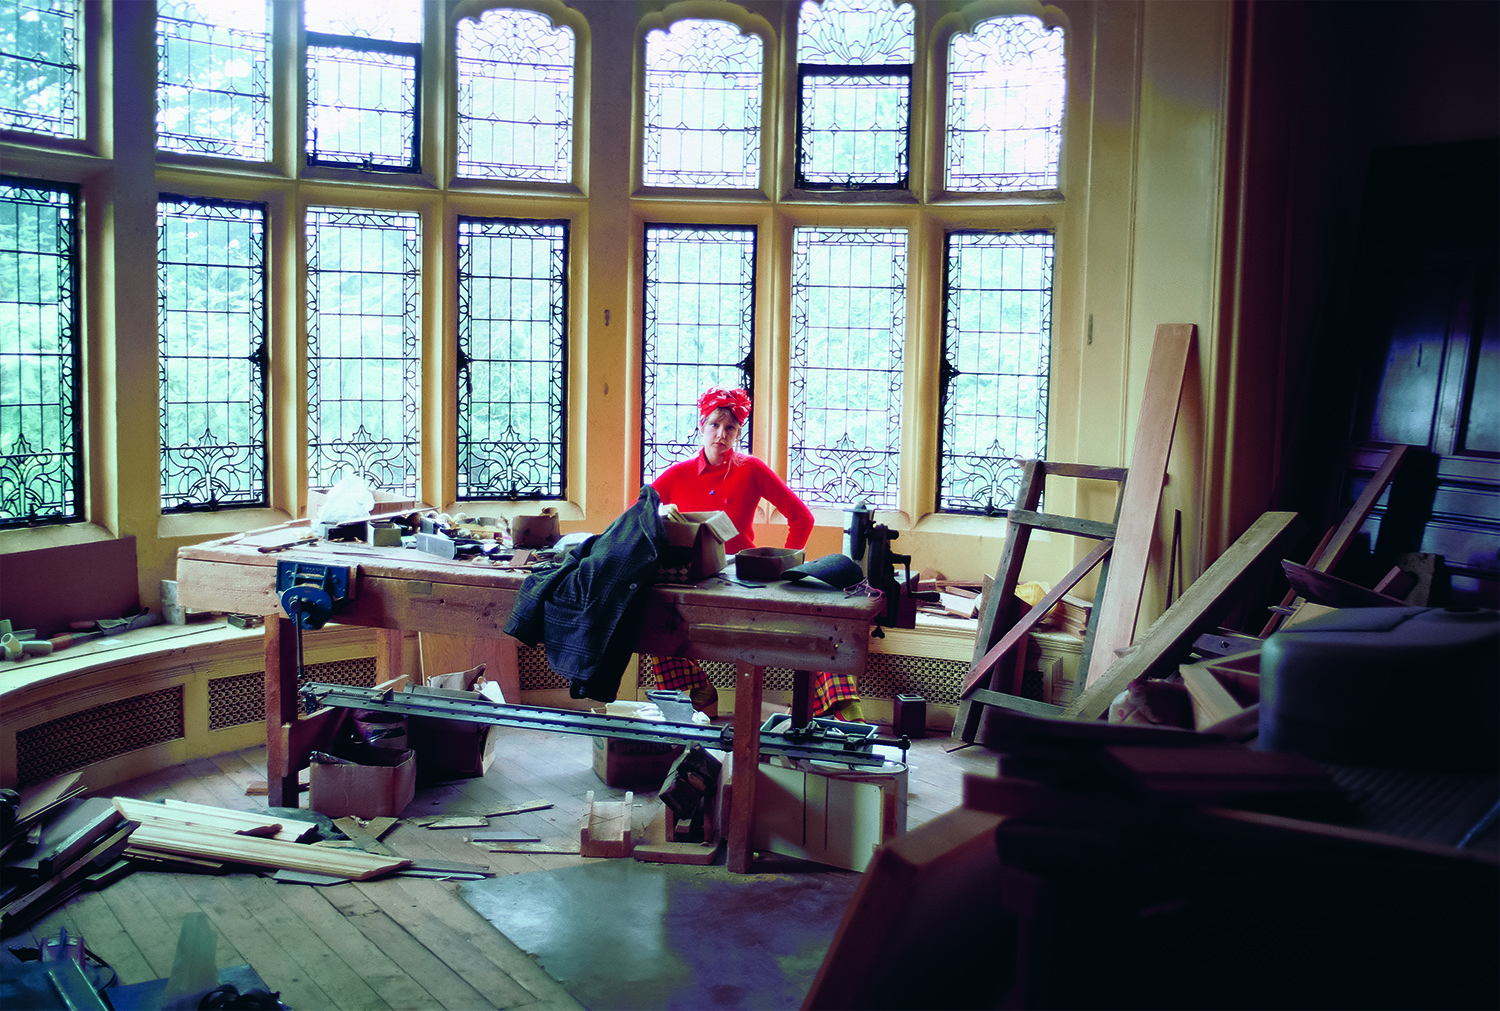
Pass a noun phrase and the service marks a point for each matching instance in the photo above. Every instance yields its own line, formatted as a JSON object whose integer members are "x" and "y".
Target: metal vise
{"x": 869, "y": 544}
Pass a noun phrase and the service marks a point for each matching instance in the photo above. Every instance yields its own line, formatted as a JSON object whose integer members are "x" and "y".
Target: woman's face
{"x": 720, "y": 433}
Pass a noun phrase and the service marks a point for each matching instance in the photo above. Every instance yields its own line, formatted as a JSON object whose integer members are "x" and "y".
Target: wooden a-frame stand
{"x": 990, "y": 681}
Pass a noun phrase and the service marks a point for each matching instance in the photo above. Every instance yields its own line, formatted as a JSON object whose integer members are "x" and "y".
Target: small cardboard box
{"x": 633, "y": 765}
{"x": 695, "y": 546}
{"x": 541, "y": 531}
{"x": 381, "y": 783}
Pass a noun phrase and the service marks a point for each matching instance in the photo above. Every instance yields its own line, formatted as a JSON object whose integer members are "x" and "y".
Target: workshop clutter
{"x": 695, "y": 545}
{"x": 540, "y": 531}
{"x": 453, "y": 749}
{"x": 363, "y": 780}
{"x": 626, "y": 764}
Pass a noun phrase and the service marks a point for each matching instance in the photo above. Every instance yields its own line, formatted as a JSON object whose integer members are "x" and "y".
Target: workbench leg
{"x": 282, "y": 710}
{"x": 388, "y": 662}
{"x": 747, "y": 691}
{"x": 802, "y": 700}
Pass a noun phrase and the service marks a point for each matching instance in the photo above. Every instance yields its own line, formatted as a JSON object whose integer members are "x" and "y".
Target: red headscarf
{"x": 736, "y": 402}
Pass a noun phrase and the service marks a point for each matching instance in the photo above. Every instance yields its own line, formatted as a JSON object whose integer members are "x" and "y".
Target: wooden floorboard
{"x": 401, "y": 942}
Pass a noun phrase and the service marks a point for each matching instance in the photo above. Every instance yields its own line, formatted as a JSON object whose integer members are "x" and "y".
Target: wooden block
{"x": 606, "y": 827}
{"x": 1212, "y": 703}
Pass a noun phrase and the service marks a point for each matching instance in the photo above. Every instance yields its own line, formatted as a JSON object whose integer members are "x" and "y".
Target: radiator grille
{"x": 886, "y": 676}
{"x": 235, "y": 701}
{"x": 92, "y": 735}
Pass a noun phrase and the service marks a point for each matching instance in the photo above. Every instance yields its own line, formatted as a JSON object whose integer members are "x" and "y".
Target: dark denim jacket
{"x": 587, "y": 607}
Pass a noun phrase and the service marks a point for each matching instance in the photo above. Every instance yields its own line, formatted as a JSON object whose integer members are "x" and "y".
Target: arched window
{"x": 515, "y": 97}
{"x": 703, "y": 106}
{"x": 854, "y": 72}
{"x": 1006, "y": 90}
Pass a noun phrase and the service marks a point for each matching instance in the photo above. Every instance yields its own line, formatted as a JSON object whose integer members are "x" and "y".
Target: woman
{"x": 721, "y": 478}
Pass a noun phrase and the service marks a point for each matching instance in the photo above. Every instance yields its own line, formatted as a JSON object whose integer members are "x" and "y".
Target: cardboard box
{"x": 633, "y": 765}
{"x": 380, "y": 783}
{"x": 541, "y": 531}
{"x": 695, "y": 546}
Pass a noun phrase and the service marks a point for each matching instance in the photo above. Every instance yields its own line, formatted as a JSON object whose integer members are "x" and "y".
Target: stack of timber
{"x": 173, "y": 830}
{"x": 41, "y": 874}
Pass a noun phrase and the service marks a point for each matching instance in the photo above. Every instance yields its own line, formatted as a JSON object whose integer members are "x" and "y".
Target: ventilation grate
{"x": 92, "y": 735}
{"x": 241, "y": 699}
{"x": 886, "y": 676}
{"x": 536, "y": 674}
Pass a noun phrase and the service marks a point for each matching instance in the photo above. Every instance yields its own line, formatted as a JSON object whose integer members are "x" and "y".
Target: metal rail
{"x": 816, "y": 742}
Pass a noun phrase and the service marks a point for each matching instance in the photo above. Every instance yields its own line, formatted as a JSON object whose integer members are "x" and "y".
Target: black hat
{"x": 838, "y": 571}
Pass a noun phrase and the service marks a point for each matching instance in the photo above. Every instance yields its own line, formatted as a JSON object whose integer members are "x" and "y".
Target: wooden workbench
{"x": 396, "y": 590}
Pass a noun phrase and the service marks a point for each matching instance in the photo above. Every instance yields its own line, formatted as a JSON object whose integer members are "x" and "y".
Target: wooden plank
{"x": 1212, "y": 702}
{"x": 1200, "y": 606}
{"x": 1115, "y": 615}
{"x": 444, "y": 654}
{"x": 606, "y": 827}
{"x": 225, "y": 819}
{"x": 356, "y": 864}
{"x": 1335, "y": 544}
{"x": 1331, "y": 591}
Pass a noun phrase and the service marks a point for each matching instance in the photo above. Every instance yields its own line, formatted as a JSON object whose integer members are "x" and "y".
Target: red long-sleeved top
{"x": 736, "y": 487}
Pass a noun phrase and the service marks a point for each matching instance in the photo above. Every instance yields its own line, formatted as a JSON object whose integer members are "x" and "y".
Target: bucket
{"x": 383, "y": 730}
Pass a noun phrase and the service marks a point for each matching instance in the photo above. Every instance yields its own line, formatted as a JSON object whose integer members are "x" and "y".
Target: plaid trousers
{"x": 676, "y": 673}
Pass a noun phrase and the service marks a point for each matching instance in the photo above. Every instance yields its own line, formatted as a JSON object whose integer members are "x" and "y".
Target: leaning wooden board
{"x": 1203, "y": 603}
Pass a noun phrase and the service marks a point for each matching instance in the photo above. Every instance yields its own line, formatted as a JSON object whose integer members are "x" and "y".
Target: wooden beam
{"x": 1115, "y": 614}
{"x": 1200, "y": 606}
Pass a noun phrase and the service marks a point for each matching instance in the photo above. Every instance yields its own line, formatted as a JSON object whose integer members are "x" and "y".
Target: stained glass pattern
{"x": 213, "y": 87}
{"x": 854, "y": 73}
{"x": 699, "y": 332}
{"x": 848, "y": 332}
{"x": 703, "y": 95}
{"x": 363, "y": 319}
{"x": 997, "y": 336}
{"x": 515, "y": 98}
{"x": 1006, "y": 91}
{"x": 40, "y": 450}
{"x": 211, "y": 280}
{"x": 512, "y": 346}
{"x": 41, "y": 67}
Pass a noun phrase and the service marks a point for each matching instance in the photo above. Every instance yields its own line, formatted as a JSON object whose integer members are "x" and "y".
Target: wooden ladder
{"x": 992, "y": 681}
{"x": 1112, "y": 619}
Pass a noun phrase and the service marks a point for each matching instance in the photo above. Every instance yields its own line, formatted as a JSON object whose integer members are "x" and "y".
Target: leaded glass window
{"x": 854, "y": 69}
{"x": 699, "y": 332}
{"x": 364, "y": 66}
{"x": 1006, "y": 90}
{"x": 997, "y": 339}
{"x": 41, "y": 67}
{"x": 848, "y": 331}
{"x": 363, "y": 322}
{"x": 213, "y": 78}
{"x": 703, "y": 94}
{"x": 211, "y": 317}
{"x": 41, "y": 477}
{"x": 512, "y": 358}
{"x": 515, "y": 97}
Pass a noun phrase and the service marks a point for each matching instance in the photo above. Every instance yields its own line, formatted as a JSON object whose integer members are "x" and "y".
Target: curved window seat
{"x": 129, "y": 704}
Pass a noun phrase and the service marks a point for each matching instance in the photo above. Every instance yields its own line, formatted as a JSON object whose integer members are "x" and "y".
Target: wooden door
{"x": 1426, "y": 325}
